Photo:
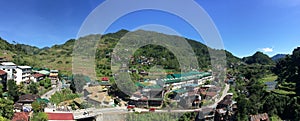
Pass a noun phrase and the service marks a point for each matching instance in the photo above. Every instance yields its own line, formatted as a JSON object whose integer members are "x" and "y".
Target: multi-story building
{"x": 22, "y": 74}
{"x": 8, "y": 67}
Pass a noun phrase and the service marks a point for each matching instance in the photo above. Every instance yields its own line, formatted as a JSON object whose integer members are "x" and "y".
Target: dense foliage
{"x": 63, "y": 95}
{"x": 40, "y": 116}
{"x": 253, "y": 99}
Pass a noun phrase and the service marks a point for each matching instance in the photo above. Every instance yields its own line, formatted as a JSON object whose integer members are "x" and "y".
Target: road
{"x": 48, "y": 94}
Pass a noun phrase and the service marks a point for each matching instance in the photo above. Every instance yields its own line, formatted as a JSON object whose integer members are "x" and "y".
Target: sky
{"x": 270, "y": 26}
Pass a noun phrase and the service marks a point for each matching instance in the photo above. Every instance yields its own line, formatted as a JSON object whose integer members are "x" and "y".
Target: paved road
{"x": 48, "y": 94}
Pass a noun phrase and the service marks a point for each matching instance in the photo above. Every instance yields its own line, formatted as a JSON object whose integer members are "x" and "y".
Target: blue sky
{"x": 271, "y": 26}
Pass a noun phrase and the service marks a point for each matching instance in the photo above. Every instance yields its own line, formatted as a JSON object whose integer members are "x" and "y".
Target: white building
{"x": 8, "y": 67}
{"x": 23, "y": 73}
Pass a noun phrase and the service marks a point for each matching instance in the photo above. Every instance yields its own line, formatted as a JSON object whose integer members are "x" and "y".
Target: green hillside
{"x": 259, "y": 58}
{"x": 60, "y": 56}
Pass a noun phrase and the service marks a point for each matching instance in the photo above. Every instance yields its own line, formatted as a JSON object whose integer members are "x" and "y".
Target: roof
{"x": 78, "y": 100}
{"x": 104, "y": 79}
{"x": 60, "y": 116}
{"x": 175, "y": 78}
{"x": 27, "y": 98}
{"x": 20, "y": 116}
{"x": 24, "y": 67}
{"x": 94, "y": 89}
{"x": 8, "y": 64}
{"x": 37, "y": 75}
{"x": 97, "y": 96}
{"x": 2, "y": 72}
{"x": 211, "y": 94}
{"x": 53, "y": 74}
{"x": 45, "y": 72}
{"x": 260, "y": 117}
{"x": 54, "y": 71}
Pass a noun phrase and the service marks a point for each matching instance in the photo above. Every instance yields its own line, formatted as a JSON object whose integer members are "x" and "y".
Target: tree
{"x": 1, "y": 91}
{"x": 22, "y": 88}
{"x": 3, "y": 118}
{"x": 6, "y": 108}
{"x": 78, "y": 83}
{"x": 33, "y": 88}
{"x": 13, "y": 90}
{"x": 38, "y": 106}
{"x": 40, "y": 116}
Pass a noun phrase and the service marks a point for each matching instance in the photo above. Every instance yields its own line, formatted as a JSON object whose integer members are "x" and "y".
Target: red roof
{"x": 2, "y": 72}
{"x": 60, "y": 116}
{"x": 104, "y": 79}
{"x": 20, "y": 116}
{"x": 37, "y": 75}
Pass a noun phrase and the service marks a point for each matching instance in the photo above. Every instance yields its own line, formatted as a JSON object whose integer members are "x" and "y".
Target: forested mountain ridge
{"x": 278, "y": 57}
{"x": 60, "y": 56}
{"x": 259, "y": 58}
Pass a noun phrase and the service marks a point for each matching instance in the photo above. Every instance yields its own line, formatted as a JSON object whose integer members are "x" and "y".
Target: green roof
{"x": 44, "y": 72}
{"x": 43, "y": 100}
{"x": 139, "y": 84}
{"x": 174, "y": 78}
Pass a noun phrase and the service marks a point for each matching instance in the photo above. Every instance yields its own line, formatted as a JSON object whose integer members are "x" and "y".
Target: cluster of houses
{"x": 24, "y": 74}
{"x": 23, "y": 109}
{"x": 186, "y": 86}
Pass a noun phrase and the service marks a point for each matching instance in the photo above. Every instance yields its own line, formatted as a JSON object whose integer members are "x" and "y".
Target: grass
{"x": 284, "y": 92}
{"x": 275, "y": 118}
{"x": 268, "y": 78}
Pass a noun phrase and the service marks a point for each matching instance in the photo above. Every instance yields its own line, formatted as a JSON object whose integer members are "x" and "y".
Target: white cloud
{"x": 267, "y": 49}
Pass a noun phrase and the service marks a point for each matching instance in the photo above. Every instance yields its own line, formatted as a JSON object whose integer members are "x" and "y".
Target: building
{"x": 24, "y": 102}
{"x": 53, "y": 76}
{"x": 148, "y": 96}
{"x": 38, "y": 77}
{"x": 95, "y": 95}
{"x": 23, "y": 74}
{"x": 8, "y": 67}
{"x": 60, "y": 117}
{"x": 178, "y": 81}
{"x": 21, "y": 116}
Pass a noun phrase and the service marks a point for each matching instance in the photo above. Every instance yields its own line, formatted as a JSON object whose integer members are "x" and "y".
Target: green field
{"x": 268, "y": 78}
{"x": 284, "y": 92}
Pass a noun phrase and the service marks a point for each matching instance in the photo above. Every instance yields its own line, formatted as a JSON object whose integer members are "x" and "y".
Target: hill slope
{"x": 60, "y": 56}
{"x": 278, "y": 56}
{"x": 258, "y": 58}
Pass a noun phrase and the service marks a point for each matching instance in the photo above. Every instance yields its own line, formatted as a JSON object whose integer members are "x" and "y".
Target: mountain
{"x": 60, "y": 56}
{"x": 278, "y": 56}
{"x": 258, "y": 58}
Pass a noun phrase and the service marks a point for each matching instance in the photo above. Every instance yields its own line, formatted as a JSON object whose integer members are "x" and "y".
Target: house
{"x": 60, "y": 117}
{"x": 23, "y": 74}
{"x": 21, "y": 116}
{"x": 95, "y": 95}
{"x": 260, "y": 117}
{"x": 92, "y": 89}
{"x": 148, "y": 96}
{"x": 53, "y": 76}
{"x": 8, "y": 67}
{"x": 104, "y": 79}
{"x": 38, "y": 77}
{"x": 24, "y": 102}
{"x": 205, "y": 114}
{"x": 3, "y": 79}
{"x": 105, "y": 82}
